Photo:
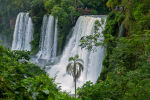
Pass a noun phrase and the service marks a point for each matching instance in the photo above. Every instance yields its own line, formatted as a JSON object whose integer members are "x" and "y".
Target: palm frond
{"x": 69, "y": 68}
{"x": 77, "y": 56}
{"x": 75, "y": 67}
{"x": 80, "y": 60}
{"x": 79, "y": 69}
{"x": 71, "y": 59}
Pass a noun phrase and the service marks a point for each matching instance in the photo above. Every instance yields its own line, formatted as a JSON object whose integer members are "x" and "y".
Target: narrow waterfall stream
{"x": 55, "y": 39}
{"x": 92, "y": 60}
{"x": 23, "y": 33}
{"x": 121, "y": 31}
{"x": 48, "y": 41}
{"x": 46, "y": 46}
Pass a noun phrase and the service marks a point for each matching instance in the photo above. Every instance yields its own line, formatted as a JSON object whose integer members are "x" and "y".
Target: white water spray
{"x": 92, "y": 60}
{"x": 49, "y": 38}
{"x": 23, "y": 33}
{"x": 55, "y": 39}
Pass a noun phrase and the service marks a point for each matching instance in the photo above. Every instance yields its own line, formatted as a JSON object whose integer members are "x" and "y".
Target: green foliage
{"x": 112, "y": 3}
{"x": 37, "y": 12}
{"x": 49, "y": 4}
{"x": 37, "y": 7}
{"x": 126, "y": 71}
{"x": 20, "y": 54}
{"x": 25, "y": 81}
{"x": 90, "y": 42}
{"x": 96, "y": 5}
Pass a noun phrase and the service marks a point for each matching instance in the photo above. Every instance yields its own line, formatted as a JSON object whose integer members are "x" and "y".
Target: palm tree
{"x": 74, "y": 68}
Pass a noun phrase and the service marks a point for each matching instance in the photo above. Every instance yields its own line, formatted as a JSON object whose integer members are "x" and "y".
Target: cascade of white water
{"x": 23, "y": 33}
{"x": 43, "y": 30}
{"x": 55, "y": 39}
{"x": 47, "y": 42}
{"x": 28, "y": 35}
{"x": 92, "y": 60}
{"x": 121, "y": 31}
{"x": 49, "y": 35}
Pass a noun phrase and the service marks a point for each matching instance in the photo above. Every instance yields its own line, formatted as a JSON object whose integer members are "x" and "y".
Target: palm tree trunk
{"x": 75, "y": 87}
{"x": 75, "y": 78}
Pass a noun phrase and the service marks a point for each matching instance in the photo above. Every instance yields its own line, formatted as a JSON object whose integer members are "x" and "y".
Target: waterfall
{"x": 49, "y": 36}
{"x": 55, "y": 39}
{"x": 92, "y": 60}
{"x": 23, "y": 33}
{"x": 121, "y": 31}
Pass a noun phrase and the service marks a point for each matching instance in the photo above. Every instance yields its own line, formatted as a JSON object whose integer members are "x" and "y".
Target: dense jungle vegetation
{"x": 126, "y": 72}
{"x": 22, "y": 80}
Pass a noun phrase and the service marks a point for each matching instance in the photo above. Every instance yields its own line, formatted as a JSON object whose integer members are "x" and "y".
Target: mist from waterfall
{"x": 49, "y": 38}
{"x": 23, "y": 33}
{"x": 92, "y": 60}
